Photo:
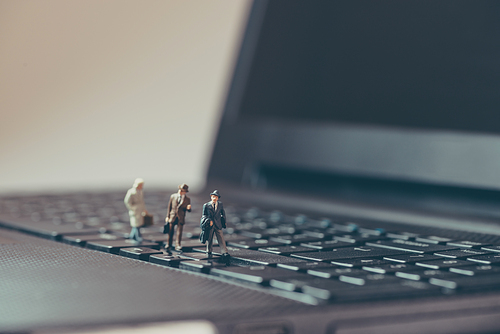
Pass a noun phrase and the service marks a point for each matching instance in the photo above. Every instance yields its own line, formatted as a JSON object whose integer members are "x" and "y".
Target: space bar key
{"x": 409, "y": 246}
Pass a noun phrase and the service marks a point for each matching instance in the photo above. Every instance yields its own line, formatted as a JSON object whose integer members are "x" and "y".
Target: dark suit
{"x": 176, "y": 216}
{"x": 218, "y": 216}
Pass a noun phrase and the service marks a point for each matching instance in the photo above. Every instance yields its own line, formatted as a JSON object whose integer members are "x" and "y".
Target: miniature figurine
{"x": 177, "y": 206}
{"x": 134, "y": 201}
{"x": 214, "y": 220}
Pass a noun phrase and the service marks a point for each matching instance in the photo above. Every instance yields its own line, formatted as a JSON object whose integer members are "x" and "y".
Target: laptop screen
{"x": 393, "y": 90}
{"x": 411, "y": 64}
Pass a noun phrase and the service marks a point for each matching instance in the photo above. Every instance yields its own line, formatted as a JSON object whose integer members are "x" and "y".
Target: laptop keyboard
{"x": 331, "y": 259}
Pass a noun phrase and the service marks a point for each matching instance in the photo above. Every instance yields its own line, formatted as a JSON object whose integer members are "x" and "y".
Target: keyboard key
{"x": 414, "y": 276}
{"x": 468, "y": 283}
{"x": 443, "y": 264}
{"x": 114, "y": 246}
{"x": 155, "y": 237}
{"x": 347, "y": 253}
{"x": 194, "y": 256}
{"x": 352, "y": 280}
{"x": 372, "y": 231}
{"x": 295, "y": 239}
{"x": 323, "y": 288}
{"x": 189, "y": 244}
{"x": 253, "y": 274}
{"x": 364, "y": 278}
{"x": 201, "y": 266}
{"x": 390, "y": 268}
{"x": 334, "y": 272}
{"x": 253, "y": 243}
{"x": 235, "y": 238}
{"x": 256, "y": 233}
{"x": 318, "y": 233}
{"x": 467, "y": 244}
{"x": 166, "y": 260}
{"x": 486, "y": 259}
{"x": 476, "y": 270}
{"x": 401, "y": 235}
{"x": 139, "y": 253}
{"x": 259, "y": 233}
{"x": 448, "y": 284}
{"x": 412, "y": 258}
{"x": 305, "y": 266}
{"x": 248, "y": 257}
{"x": 322, "y": 223}
{"x": 460, "y": 253}
{"x": 425, "y": 275}
{"x": 491, "y": 249}
{"x": 433, "y": 239}
{"x": 409, "y": 246}
{"x": 326, "y": 245}
{"x": 357, "y": 239}
{"x": 343, "y": 292}
{"x": 347, "y": 227}
{"x": 358, "y": 263}
{"x": 285, "y": 250}
{"x": 48, "y": 230}
{"x": 81, "y": 240}
{"x": 294, "y": 283}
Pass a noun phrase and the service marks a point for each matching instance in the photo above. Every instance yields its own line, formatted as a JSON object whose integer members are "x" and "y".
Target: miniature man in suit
{"x": 134, "y": 201}
{"x": 213, "y": 212}
{"x": 177, "y": 206}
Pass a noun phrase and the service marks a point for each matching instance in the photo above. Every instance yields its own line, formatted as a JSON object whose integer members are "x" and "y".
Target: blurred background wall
{"x": 94, "y": 93}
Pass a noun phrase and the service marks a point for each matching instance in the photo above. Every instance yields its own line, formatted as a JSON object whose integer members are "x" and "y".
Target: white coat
{"x": 134, "y": 201}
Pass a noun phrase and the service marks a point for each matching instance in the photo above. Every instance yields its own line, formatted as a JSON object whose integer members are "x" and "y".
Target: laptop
{"x": 356, "y": 159}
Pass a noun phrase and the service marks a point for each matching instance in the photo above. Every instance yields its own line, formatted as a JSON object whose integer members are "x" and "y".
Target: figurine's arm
{"x": 222, "y": 212}
{"x": 205, "y": 211}
{"x": 223, "y": 216}
{"x": 206, "y": 214}
{"x": 129, "y": 200}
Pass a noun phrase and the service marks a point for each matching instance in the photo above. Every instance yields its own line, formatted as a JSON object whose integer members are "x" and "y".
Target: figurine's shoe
{"x": 178, "y": 248}
{"x": 209, "y": 255}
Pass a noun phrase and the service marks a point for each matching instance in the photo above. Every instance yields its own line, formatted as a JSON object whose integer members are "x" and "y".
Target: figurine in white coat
{"x": 134, "y": 201}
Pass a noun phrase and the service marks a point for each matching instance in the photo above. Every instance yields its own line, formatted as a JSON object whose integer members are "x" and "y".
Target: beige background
{"x": 94, "y": 93}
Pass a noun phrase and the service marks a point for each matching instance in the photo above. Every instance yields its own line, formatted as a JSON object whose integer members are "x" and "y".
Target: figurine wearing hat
{"x": 178, "y": 204}
{"x": 215, "y": 217}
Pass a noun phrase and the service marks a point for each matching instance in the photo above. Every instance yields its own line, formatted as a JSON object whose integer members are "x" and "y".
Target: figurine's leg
{"x": 221, "y": 241}
{"x": 135, "y": 234}
{"x": 171, "y": 234}
{"x": 138, "y": 234}
{"x": 131, "y": 235}
{"x": 178, "y": 237}
{"x": 210, "y": 240}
